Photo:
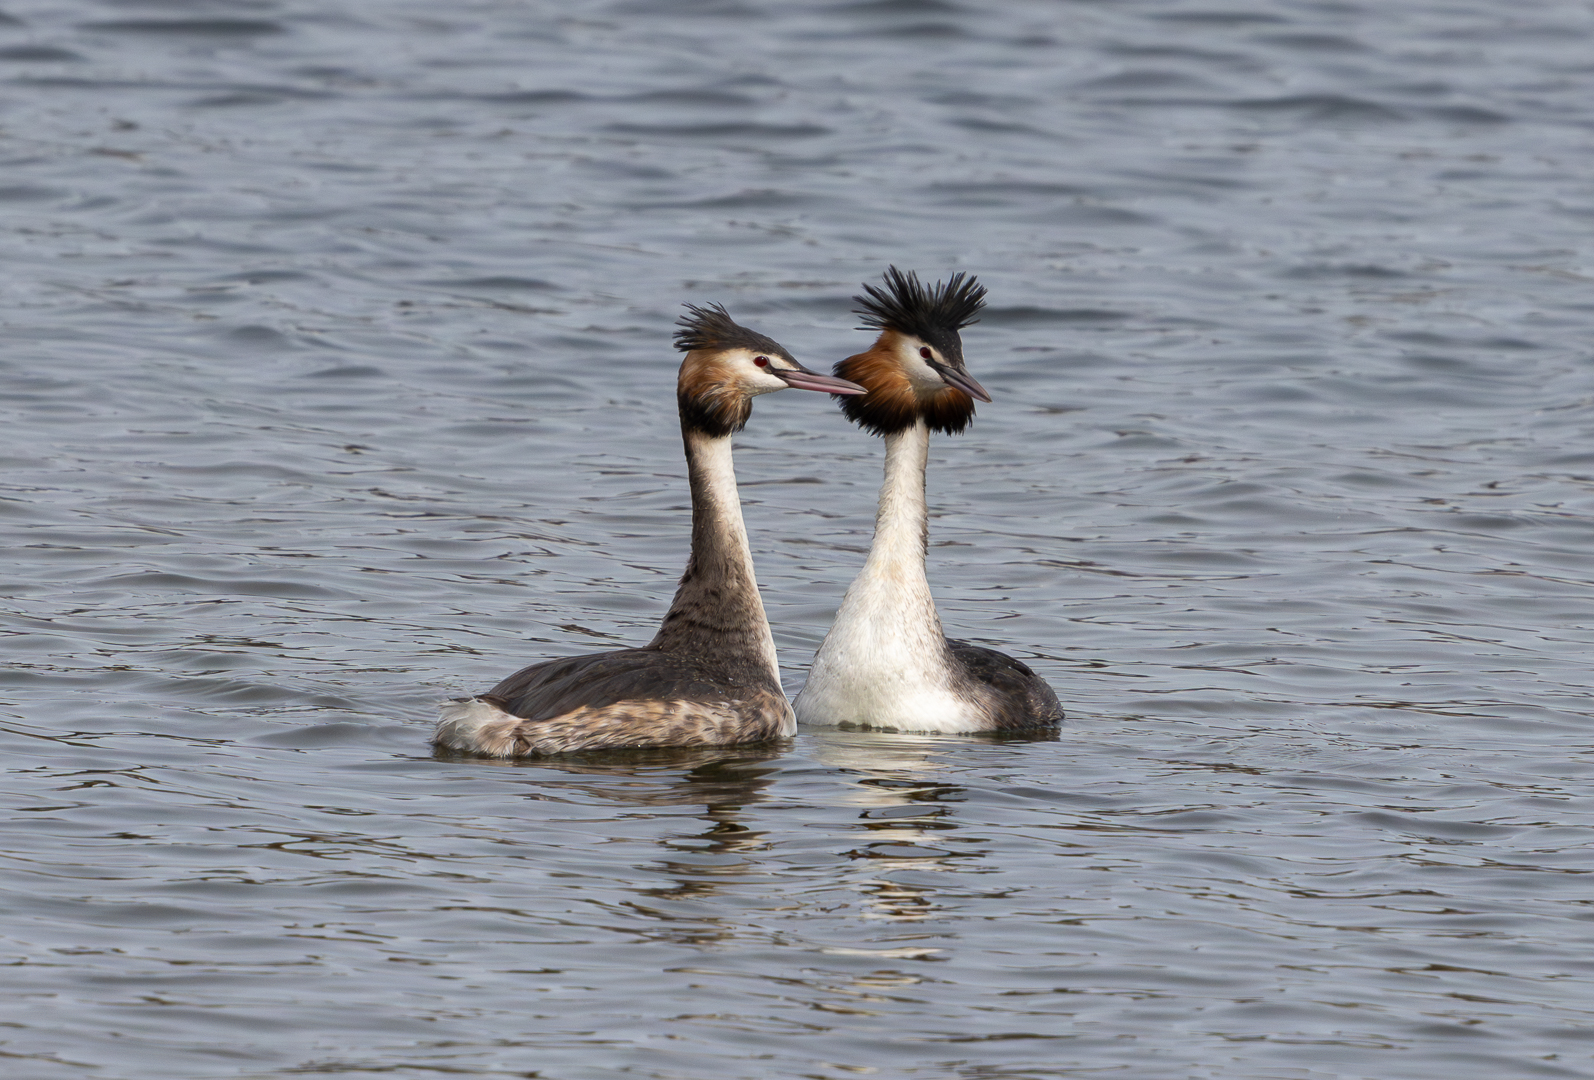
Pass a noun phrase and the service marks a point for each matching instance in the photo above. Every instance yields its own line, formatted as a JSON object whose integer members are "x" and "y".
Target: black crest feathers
{"x": 907, "y": 306}
{"x": 710, "y": 402}
{"x": 712, "y": 327}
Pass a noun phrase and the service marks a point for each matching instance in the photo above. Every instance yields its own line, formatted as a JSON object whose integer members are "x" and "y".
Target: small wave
{"x": 258, "y": 337}
{"x": 497, "y": 283}
{"x": 926, "y": 30}
{"x": 348, "y": 371}
{"x": 1430, "y": 337}
{"x": 980, "y": 123}
{"x": 1337, "y": 270}
{"x": 190, "y": 27}
{"x": 1146, "y": 80}
{"x": 897, "y": 7}
{"x": 532, "y": 97}
{"x": 1026, "y": 315}
{"x": 238, "y": 99}
{"x": 165, "y": 581}
{"x": 1219, "y": 18}
{"x": 1466, "y": 114}
{"x": 28, "y": 193}
{"x": 721, "y": 131}
{"x": 763, "y": 199}
{"x": 628, "y": 170}
{"x": 261, "y": 277}
{"x": 707, "y": 9}
{"x": 1321, "y": 107}
{"x": 1314, "y": 42}
{"x": 1084, "y": 215}
{"x": 996, "y": 188}
{"x": 709, "y": 98}
{"x": 315, "y": 736}
{"x": 24, "y": 54}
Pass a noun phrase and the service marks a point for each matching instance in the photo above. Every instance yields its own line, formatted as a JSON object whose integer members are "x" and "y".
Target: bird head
{"x": 915, "y": 369}
{"x": 727, "y": 365}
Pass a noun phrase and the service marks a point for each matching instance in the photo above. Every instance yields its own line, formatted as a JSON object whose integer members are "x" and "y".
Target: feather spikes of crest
{"x": 712, "y": 328}
{"x": 709, "y": 402}
{"x": 906, "y": 305}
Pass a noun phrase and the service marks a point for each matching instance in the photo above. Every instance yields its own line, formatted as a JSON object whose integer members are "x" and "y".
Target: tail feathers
{"x": 478, "y": 726}
{"x": 474, "y": 726}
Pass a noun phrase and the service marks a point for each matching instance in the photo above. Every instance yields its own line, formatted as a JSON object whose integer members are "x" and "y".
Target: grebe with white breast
{"x": 886, "y": 662}
{"x": 709, "y": 676}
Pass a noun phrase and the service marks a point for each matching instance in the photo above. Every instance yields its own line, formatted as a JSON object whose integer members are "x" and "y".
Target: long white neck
{"x": 893, "y": 580}
{"x": 884, "y": 662}
{"x": 717, "y": 610}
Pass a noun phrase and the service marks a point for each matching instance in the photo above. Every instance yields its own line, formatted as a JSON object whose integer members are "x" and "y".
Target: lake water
{"x": 336, "y": 380}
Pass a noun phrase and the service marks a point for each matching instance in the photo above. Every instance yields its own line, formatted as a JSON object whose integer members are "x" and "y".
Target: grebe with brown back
{"x": 709, "y": 676}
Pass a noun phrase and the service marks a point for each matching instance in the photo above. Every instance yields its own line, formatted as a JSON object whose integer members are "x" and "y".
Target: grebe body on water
{"x": 709, "y": 676}
{"x": 886, "y": 662}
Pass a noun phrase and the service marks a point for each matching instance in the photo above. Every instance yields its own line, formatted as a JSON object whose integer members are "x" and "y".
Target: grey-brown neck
{"x": 717, "y": 612}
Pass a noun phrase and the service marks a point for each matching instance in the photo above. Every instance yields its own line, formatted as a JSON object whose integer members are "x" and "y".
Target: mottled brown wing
{"x": 556, "y": 687}
{"x": 1025, "y": 701}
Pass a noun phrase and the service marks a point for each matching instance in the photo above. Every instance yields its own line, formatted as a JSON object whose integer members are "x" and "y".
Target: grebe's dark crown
{"x": 713, "y": 328}
{"x": 905, "y": 305}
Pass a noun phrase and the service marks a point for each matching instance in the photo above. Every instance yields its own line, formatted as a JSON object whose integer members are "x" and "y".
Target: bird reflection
{"x": 907, "y": 810}
{"x": 697, "y": 863}
{"x": 673, "y": 776}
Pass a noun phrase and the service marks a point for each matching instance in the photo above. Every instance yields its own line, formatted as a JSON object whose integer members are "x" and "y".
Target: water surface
{"x": 336, "y": 380}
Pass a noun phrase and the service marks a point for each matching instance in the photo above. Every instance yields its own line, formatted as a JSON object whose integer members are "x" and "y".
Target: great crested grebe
{"x": 886, "y": 662}
{"x": 709, "y": 676}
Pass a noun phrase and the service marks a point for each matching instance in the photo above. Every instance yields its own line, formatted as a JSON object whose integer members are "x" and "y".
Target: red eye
{"x": 761, "y": 361}
{"x": 925, "y": 353}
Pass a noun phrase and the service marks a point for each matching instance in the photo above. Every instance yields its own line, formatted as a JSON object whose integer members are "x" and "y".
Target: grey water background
{"x": 336, "y": 380}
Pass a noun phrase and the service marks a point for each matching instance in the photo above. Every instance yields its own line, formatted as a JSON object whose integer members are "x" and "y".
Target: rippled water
{"x": 336, "y": 380}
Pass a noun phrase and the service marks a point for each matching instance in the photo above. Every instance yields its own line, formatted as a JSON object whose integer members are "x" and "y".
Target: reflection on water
{"x": 718, "y": 777}
{"x": 904, "y": 785}
{"x": 904, "y": 801}
{"x": 716, "y": 850}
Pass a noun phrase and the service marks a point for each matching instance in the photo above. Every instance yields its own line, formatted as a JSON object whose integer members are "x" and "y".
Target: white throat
{"x": 884, "y": 662}
{"x": 894, "y": 571}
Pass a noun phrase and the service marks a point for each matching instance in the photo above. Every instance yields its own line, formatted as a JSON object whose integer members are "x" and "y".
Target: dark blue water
{"x": 335, "y": 379}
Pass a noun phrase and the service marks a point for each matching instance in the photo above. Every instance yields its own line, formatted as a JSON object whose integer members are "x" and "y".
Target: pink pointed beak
{"x": 800, "y": 378}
